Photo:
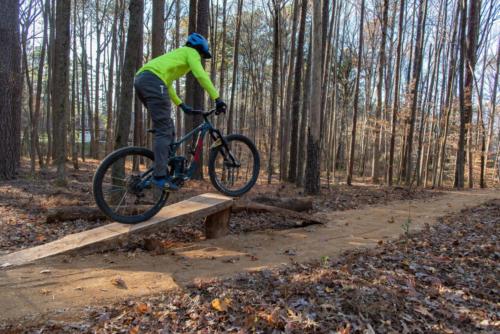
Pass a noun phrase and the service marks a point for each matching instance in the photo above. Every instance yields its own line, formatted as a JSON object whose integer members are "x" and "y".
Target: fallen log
{"x": 291, "y": 203}
{"x": 304, "y": 219}
{"x": 71, "y": 213}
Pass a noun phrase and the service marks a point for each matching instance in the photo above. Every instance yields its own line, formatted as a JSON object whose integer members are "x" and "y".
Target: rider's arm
{"x": 194, "y": 62}
{"x": 173, "y": 95}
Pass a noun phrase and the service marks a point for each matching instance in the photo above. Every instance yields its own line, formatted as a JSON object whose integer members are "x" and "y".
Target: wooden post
{"x": 217, "y": 224}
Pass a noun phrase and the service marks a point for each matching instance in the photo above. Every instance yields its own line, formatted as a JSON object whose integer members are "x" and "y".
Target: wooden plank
{"x": 194, "y": 208}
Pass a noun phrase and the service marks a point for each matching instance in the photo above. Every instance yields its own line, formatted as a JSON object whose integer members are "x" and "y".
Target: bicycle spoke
{"x": 114, "y": 190}
{"x": 120, "y": 203}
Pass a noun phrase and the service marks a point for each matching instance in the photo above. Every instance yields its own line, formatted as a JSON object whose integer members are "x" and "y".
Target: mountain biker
{"x": 154, "y": 80}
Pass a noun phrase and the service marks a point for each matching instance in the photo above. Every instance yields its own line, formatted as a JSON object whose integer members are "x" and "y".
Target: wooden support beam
{"x": 194, "y": 208}
{"x": 217, "y": 224}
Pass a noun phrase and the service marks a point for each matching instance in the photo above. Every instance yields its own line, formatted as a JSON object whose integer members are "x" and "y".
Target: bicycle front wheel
{"x": 122, "y": 186}
{"x": 234, "y": 170}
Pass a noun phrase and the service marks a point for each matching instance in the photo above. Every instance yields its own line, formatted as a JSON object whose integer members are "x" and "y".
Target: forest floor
{"x": 25, "y": 203}
{"x": 441, "y": 279}
{"x": 408, "y": 262}
{"x": 294, "y": 279}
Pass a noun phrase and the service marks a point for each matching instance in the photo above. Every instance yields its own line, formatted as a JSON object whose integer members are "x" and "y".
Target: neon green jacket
{"x": 173, "y": 65}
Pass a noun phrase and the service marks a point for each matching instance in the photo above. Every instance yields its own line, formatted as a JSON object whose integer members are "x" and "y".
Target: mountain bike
{"x": 122, "y": 184}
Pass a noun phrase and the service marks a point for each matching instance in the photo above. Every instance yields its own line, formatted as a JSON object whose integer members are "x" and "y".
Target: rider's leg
{"x": 153, "y": 94}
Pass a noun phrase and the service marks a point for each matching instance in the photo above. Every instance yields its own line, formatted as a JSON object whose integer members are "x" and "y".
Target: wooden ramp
{"x": 213, "y": 206}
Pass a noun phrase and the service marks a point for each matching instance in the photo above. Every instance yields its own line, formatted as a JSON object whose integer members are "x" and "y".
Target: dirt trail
{"x": 64, "y": 282}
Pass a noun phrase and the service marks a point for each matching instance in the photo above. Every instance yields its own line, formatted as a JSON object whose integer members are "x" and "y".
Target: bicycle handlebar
{"x": 205, "y": 113}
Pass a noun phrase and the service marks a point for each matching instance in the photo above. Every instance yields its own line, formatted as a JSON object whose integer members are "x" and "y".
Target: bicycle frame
{"x": 200, "y": 131}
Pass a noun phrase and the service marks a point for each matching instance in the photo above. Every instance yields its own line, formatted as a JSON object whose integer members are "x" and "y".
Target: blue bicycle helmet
{"x": 199, "y": 43}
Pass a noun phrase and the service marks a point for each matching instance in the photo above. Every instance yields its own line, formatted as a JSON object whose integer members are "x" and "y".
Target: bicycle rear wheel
{"x": 234, "y": 177}
{"x": 122, "y": 186}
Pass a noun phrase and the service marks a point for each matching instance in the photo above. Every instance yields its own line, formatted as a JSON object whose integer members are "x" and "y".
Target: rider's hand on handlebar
{"x": 187, "y": 109}
{"x": 220, "y": 106}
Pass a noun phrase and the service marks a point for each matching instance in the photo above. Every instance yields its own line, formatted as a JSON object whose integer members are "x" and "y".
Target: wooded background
{"x": 389, "y": 91}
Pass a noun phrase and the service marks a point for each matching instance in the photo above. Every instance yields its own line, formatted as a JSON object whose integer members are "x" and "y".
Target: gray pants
{"x": 153, "y": 94}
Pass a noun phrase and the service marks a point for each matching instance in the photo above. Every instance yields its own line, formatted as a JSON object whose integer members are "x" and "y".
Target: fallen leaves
{"x": 221, "y": 305}
{"x": 142, "y": 308}
{"x": 415, "y": 286}
{"x": 134, "y": 330}
{"x": 425, "y": 284}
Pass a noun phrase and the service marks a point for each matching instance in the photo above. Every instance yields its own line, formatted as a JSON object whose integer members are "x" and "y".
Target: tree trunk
{"x": 414, "y": 87}
{"x": 134, "y": 37}
{"x": 274, "y": 87}
{"x": 467, "y": 64}
{"x": 306, "y": 103}
{"x": 109, "y": 93}
{"x": 74, "y": 150}
{"x": 26, "y": 70}
{"x": 472, "y": 34}
{"x": 378, "y": 111}
{"x": 236, "y": 51}
{"x": 190, "y": 80}
{"x": 157, "y": 49}
{"x": 447, "y": 107}
{"x": 395, "y": 105}
{"x": 158, "y": 29}
{"x": 83, "y": 83}
{"x": 285, "y": 123}
{"x": 98, "y": 24}
{"x": 178, "y": 115}
{"x": 356, "y": 94}
{"x": 139, "y": 130}
{"x": 493, "y": 104}
{"x": 60, "y": 84}
{"x": 35, "y": 144}
{"x": 10, "y": 89}
{"x": 313, "y": 166}
{"x": 195, "y": 96}
{"x": 297, "y": 82}
{"x": 222, "y": 68}
{"x": 50, "y": 54}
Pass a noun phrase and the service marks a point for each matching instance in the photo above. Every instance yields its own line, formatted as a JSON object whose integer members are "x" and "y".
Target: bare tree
{"x": 414, "y": 90}
{"x": 493, "y": 105}
{"x": 467, "y": 64}
{"x": 356, "y": 94}
{"x": 297, "y": 87}
{"x": 286, "y": 111}
{"x": 304, "y": 117}
{"x": 378, "y": 113}
{"x": 276, "y": 12}
{"x": 313, "y": 166}
{"x": 60, "y": 101}
{"x": 111, "y": 75}
{"x": 395, "y": 105}
{"x": 236, "y": 51}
